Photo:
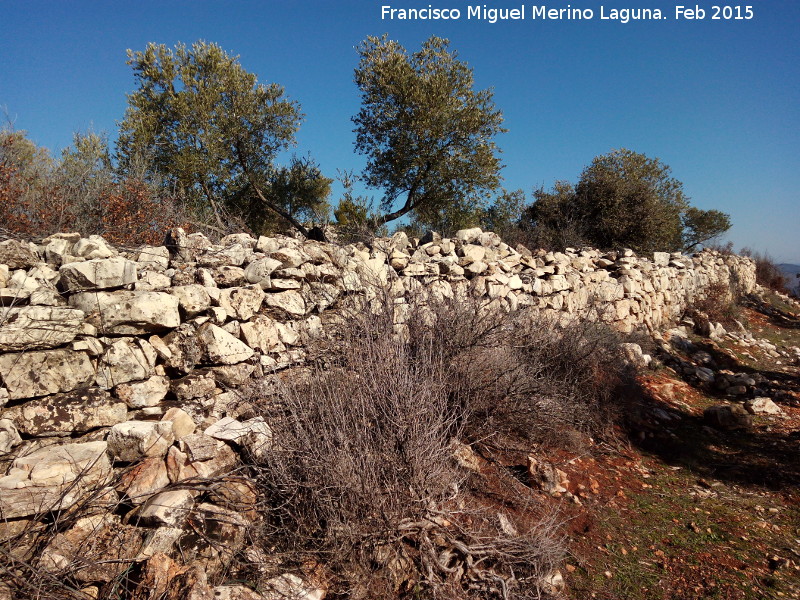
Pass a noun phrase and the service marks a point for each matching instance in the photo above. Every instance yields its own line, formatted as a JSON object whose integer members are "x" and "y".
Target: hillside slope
{"x": 689, "y": 507}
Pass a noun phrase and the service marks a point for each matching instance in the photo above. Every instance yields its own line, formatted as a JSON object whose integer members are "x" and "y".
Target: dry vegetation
{"x": 361, "y": 475}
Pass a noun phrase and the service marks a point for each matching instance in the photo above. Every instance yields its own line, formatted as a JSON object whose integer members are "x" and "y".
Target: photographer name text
{"x": 542, "y": 12}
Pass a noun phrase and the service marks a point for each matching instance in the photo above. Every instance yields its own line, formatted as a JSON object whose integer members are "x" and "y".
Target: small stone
{"x": 762, "y": 405}
{"x": 727, "y": 417}
{"x": 182, "y": 423}
{"x": 133, "y": 440}
{"x": 142, "y": 394}
{"x": 169, "y": 508}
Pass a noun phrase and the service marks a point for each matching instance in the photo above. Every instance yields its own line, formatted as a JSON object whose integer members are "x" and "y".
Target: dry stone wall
{"x": 119, "y": 369}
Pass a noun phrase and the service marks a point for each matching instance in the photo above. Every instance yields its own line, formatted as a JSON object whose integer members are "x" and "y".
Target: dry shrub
{"x": 37, "y": 198}
{"x": 769, "y": 274}
{"x": 527, "y": 374}
{"x": 718, "y": 305}
{"x": 360, "y": 477}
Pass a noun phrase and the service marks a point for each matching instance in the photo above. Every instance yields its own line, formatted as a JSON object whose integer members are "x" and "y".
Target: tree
{"x": 700, "y": 226}
{"x": 552, "y": 220}
{"x": 208, "y": 129}
{"x": 627, "y": 199}
{"x": 427, "y": 134}
{"x": 624, "y": 198}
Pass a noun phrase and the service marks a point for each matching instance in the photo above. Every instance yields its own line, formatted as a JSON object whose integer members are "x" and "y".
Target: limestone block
{"x": 37, "y": 327}
{"x": 9, "y": 436}
{"x": 259, "y": 270}
{"x": 125, "y": 312}
{"x": 243, "y": 302}
{"x": 43, "y": 372}
{"x": 93, "y": 247}
{"x": 471, "y": 253}
{"x": 141, "y": 394}
{"x": 144, "y": 479}
{"x": 152, "y": 281}
{"x": 153, "y": 257}
{"x": 234, "y": 255}
{"x": 762, "y": 405}
{"x": 98, "y": 548}
{"x": 220, "y": 347}
{"x": 193, "y": 299}
{"x": 182, "y": 423}
{"x": 123, "y": 361}
{"x": 132, "y": 440}
{"x": 198, "y": 384}
{"x": 97, "y": 274}
{"x": 228, "y": 276}
{"x": 170, "y": 508}
{"x": 53, "y": 478}
{"x": 72, "y": 412}
{"x": 18, "y": 255}
{"x": 290, "y": 302}
{"x": 468, "y": 235}
{"x": 254, "y": 434}
{"x": 290, "y": 257}
{"x": 262, "y": 334}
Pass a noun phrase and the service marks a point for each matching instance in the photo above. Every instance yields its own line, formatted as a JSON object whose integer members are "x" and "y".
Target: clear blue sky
{"x": 718, "y": 101}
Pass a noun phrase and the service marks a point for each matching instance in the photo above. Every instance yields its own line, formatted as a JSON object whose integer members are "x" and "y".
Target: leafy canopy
{"x": 208, "y": 129}
{"x": 427, "y": 134}
{"x": 624, "y": 198}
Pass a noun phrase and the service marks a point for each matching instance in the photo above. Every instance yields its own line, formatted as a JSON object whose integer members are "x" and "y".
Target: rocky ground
{"x": 691, "y": 506}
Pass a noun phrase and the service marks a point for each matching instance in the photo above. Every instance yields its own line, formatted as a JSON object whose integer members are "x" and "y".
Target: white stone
{"x": 193, "y": 299}
{"x": 123, "y": 361}
{"x": 133, "y": 440}
{"x": 242, "y": 302}
{"x": 143, "y": 393}
{"x": 93, "y": 247}
{"x": 182, "y": 423}
{"x": 98, "y": 274}
{"x": 53, "y": 478}
{"x": 125, "y": 312}
{"x": 30, "y": 374}
{"x": 762, "y": 405}
{"x": 220, "y": 347}
{"x": 262, "y": 334}
{"x": 468, "y": 235}
{"x": 259, "y": 270}
{"x": 9, "y": 436}
{"x": 290, "y": 302}
{"x": 37, "y": 327}
{"x": 154, "y": 257}
{"x": 168, "y": 508}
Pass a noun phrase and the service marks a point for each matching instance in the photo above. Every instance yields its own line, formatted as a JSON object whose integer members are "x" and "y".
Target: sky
{"x": 717, "y": 100}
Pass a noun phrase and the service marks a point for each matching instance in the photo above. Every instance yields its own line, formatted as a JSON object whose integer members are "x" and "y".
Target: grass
{"x": 702, "y": 513}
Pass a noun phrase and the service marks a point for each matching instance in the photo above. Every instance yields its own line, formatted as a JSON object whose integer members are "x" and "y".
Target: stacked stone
{"x": 119, "y": 369}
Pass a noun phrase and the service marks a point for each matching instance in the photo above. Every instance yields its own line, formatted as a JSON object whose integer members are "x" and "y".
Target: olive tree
{"x": 208, "y": 129}
{"x": 427, "y": 134}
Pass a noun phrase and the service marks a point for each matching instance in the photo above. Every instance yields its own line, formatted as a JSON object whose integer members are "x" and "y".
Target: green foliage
{"x": 354, "y": 213}
{"x": 627, "y": 199}
{"x": 208, "y": 129}
{"x": 427, "y": 134}
{"x": 551, "y": 221}
{"x": 300, "y": 190}
{"x": 624, "y": 199}
{"x": 703, "y": 225}
{"x": 504, "y": 214}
